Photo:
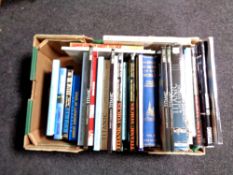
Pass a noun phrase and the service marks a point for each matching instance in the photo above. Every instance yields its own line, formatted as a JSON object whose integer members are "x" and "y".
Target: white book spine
{"x": 99, "y": 104}
{"x": 189, "y": 95}
{"x": 115, "y": 94}
{"x": 53, "y": 98}
{"x": 140, "y": 79}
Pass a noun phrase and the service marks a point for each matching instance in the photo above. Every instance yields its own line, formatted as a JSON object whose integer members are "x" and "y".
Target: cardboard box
{"x": 45, "y": 49}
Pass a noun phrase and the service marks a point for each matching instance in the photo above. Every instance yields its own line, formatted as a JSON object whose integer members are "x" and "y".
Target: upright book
{"x": 69, "y": 82}
{"x": 180, "y": 132}
{"x": 60, "y": 104}
{"x": 86, "y": 63}
{"x": 74, "y": 112}
{"x": 91, "y": 123}
{"x": 150, "y": 101}
{"x": 53, "y": 98}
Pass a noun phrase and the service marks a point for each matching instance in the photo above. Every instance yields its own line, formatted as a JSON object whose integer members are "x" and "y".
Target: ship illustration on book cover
{"x": 150, "y": 113}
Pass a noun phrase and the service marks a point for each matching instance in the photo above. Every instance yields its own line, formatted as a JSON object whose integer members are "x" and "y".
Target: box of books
{"x": 155, "y": 95}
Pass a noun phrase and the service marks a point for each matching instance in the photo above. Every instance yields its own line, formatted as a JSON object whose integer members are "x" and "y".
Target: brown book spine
{"x": 119, "y": 105}
{"x": 137, "y": 103}
{"x": 132, "y": 103}
{"x": 104, "y": 141}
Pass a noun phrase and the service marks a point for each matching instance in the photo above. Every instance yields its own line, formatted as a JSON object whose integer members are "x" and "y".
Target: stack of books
{"x": 131, "y": 98}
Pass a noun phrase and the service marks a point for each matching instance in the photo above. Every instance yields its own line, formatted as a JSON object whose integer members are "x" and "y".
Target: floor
{"x": 21, "y": 19}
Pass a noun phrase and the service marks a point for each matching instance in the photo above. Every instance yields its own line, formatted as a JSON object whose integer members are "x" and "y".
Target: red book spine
{"x": 92, "y": 98}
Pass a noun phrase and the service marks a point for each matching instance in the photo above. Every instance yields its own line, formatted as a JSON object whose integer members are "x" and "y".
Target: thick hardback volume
{"x": 198, "y": 138}
{"x": 83, "y": 97}
{"x": 213, "y": 91}
{"x": 189, "y": 95}
{"x": 92, "y": 98}
{"x": 140, "y": 106}
{"x": 204, "y": 95}
{"x": 124, "y": 129}
{"x": 115, "y": 101}
{"x": 99, "y": 104}
{"x": 132, "y": 102}
{"x": 53, "y": 98}
{"x": 69, "y": 82}
{"x": 180, "y": 125}
{"x": 60, "y": 104}
{"x": 74, "y": 112}
{"x": 105, "y": 106}
{"x": 150, "y": 100}
{"x": 119, "y": 104}
{"x": 111, "y": 99}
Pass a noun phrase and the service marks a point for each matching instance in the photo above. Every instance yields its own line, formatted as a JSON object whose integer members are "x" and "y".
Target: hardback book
{"x": 115, "y": 100}
{"x": 119, "y": 104}
{"x": 53, "y": 98}
{"x": 132, "y": 103}
{"x": 74, "y": 112}
{"x": 69, "y": 82}
{"x": 91, "y": 117}
{"x": 60, "y": 104}
{"x": 100, "y": 104}
{"x": 111, "y": 102}
{"x": 180, "y": 130}
{"x": 189, "y": 94}
{"x": 164, "y": 101}
{"x": 86, "y": 63}
{"x": 105, "y": 106}
{"x": 140, "y": 103}
{"x": 124, "y": 123}
{"x": 198, "y": 139}
{"x": 213, "y": 90}
{"x": 137, "y": 102}
{"x": 204, "y": 95}
{"x": 150, "y": 100}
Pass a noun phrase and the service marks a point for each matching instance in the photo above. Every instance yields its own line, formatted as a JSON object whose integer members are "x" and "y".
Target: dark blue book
{"x": 74, "y": 112}
{"x": 68, "y": 93}
{"x": 150, "y": 101}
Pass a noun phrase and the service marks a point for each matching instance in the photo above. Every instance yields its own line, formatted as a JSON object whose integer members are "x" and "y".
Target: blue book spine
{"x": 150, "y": 101}
{"x": 53, "y": 98}
{"x": 60, "y": 104}
{"x": 74, "y": 112}
{"x": 69, "y": 81}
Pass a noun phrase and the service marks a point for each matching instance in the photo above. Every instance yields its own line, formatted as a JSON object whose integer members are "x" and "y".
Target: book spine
{"x": 119, "y": 104}
{"x": 163, "y": 105}
{"x": 180, "y": 126}
{"x": 137, "y": 102}
{"x": 111, "y": 103}
{"x": 150, "y": 103}
{"x": 189, "y": 95}
{"x": 204, "y": 96}
{"x": 75, "y": 99}
{"x": 124, "y": 104}
{"x": 115, "y": 102}
{"x": 105, "y": 106}
{"x": 140, "y": 96}
{"x": 213, "y": 90}
{"x": 92, "y": 98}
{"x": 198, "y": 138}
{"x": 83, "y": 98}
{"x": 132, "y": 102}
{"x": 53, "y": 98}
{"x": 99, "y": 104}
{"x": 60, "y": 104}
{"x": 69, "y": 81}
